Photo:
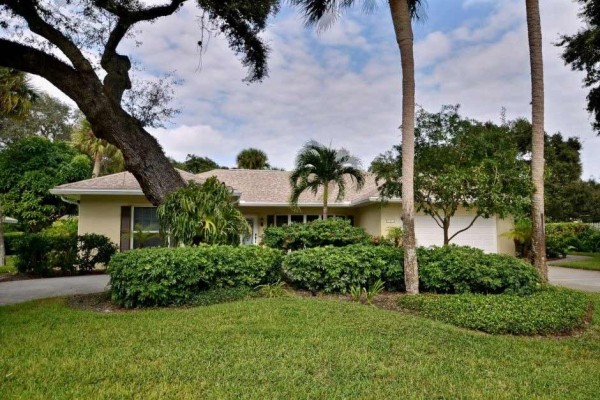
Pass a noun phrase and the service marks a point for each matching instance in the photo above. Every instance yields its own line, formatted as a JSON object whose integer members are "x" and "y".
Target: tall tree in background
{"x": 100, "y": 151}
{"x": 402, "y": 12}
{"x": 15, "y": 102}
{"x": 538, "y": 239}
{"x": 252, "y": 158}
{"x": 582, "y": 51}
{"x": 318, "y": 166}
{"x": 86, "y": 36}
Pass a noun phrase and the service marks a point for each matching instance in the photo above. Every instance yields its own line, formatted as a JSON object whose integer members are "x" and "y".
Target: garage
{"x": 481, "y": 235}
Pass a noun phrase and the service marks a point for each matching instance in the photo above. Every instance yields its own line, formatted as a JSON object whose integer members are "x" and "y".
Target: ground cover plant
{"x": 167, "y": 276}
{"x": 548, "y": 311}
{"x": 293, "y": 348}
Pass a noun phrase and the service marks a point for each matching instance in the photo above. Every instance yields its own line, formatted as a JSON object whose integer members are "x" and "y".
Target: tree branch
{"x": 464, "y": 229}
{"x": 27, "y": 10}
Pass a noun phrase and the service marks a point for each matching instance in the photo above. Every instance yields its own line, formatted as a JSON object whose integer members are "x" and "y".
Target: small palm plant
{"x": 321, "y": 166}
{"x": 99, "y": 150}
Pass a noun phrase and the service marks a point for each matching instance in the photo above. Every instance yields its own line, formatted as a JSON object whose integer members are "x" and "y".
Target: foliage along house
{"x": 115, "y": 206}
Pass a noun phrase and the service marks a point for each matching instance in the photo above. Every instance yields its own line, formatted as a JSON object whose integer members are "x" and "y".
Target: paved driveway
{"x": 20, "y": 291}
{"x": 575, "y": 278}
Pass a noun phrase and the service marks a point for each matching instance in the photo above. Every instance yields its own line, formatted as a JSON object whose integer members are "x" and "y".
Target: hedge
{"x": 10, "y": 242}
{"x": 330, "y": 232}
{"x": 571, "y": 236}
{"x": 167, "y": 276}
{"x": 548, "y": 311}
{"x": 450, "y": 269}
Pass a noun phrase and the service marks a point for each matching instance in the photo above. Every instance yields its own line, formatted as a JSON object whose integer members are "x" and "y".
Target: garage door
{"x": 481, "y": 235}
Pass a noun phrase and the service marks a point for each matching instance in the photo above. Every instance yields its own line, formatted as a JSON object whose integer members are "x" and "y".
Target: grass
{"x": 10, "y": 265}
{"x": 281, "y": 348}
{"x": 592, "y": 264}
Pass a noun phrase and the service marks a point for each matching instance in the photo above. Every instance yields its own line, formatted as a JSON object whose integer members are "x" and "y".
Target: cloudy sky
{"x": 343, "y": 86}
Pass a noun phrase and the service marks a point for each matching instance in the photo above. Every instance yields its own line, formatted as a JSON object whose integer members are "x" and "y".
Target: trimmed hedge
{"x": 461, "y": 269}
{"x": 337, "y": 269}
{"x": 41, "y": 253}
{"x": 10, "y": 242}
{"x": 167, "y": 276}
{"x": 545, "y": 312}
{"x": 450, "y": 269}
{"x": 571, "y": 236}
{"x": 330, "y": 232}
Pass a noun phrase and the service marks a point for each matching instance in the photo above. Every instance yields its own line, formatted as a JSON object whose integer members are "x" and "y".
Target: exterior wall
{"x": 369, "y": 217}
{"x": 102, "y": 214}
{"x": 505, "y": 245}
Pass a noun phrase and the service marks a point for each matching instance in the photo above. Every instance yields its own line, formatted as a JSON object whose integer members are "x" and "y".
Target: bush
{"x": 41, "y": 253}
{"x": 337, "y": 269}
{"x": 10, "y": 242}
{"x": 63, "y": 227}
{"x": 450, "y": 269}
{"x": 330, "y": 232}
{"x": 461, "y": 269}
{"x": 545, "y": 312}
{"x": 571, "y": 236}
{"x": 222, "y": 295}
{"x": 166, "y": 276}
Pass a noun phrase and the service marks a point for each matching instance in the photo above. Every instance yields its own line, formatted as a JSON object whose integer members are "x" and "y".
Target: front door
{"x": 252, "y": 237}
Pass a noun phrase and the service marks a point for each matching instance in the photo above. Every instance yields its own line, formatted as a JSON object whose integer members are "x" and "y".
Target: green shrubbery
{"x": 330, "y": 232}
{"x": 571, "y": 236}
{"x": 450, "y": 269}
{"x": 10, "y": 242}
{"x": 460, "y": 269}
{"x": 41, "y": 253}
{"x": 337, "y": 269}
{"x": 547, "y": 311}
{"x": 165, "y": 276}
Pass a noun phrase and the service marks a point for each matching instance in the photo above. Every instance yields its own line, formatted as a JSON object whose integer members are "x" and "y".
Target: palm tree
{"x": 99, "y": 150}
{"x": 16, "y": 95}
{"x": 538, "y": 239}
{"x": 402, "y": 11}
{"x": 320, "y": 166}
{"x": 252, "y": 158}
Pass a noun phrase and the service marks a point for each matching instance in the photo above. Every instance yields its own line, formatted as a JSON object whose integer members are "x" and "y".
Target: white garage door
{"x": 481, "y": 235}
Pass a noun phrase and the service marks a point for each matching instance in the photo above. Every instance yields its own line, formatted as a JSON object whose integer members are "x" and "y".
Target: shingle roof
{"x": 119, "y": 182}
{"x": 273, "y": 187}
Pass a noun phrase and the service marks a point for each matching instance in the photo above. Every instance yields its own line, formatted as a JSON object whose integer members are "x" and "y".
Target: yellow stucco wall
{"x": 102, "y": 214}
{"x": 369, "y": 217}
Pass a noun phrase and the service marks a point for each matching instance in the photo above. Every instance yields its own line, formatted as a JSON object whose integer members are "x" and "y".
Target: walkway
{"x": 20, "y": 291}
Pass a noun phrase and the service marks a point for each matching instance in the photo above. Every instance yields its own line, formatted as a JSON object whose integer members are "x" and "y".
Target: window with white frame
{"x": 145, "y": 228}
{"x": 286, "y": 219}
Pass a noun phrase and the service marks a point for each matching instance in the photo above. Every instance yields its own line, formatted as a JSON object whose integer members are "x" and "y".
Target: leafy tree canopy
{"x": 196, "y": 164}
{"x": 48, "y": 117}
{"x": 252, "y": 158}
{"x": 202, "y": 213}
{"x": 29, "y": 168}
{"x": 460, "y": 163}
{"x": 582, "y": 52}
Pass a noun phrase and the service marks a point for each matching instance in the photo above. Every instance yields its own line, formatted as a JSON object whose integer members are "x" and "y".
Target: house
{"x": 115, "y": 206}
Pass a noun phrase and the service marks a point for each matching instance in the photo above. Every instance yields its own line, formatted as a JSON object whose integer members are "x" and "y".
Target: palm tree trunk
{"x": 97, "y": 165}
{"x": 2, "y": 247}
{"x": 325, "y": 199}
{"x": 404, "y": 36}
{"x": 534, "y": 29}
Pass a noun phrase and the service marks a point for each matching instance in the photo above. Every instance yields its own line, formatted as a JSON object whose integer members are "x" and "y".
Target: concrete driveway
{"x": 580, "y": 279}
{"x": 20, "y": 291}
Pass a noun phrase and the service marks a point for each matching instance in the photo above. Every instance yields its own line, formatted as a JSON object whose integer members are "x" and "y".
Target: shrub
{"x": 10, "y": 242}
{"x": 93, "y": 249}
{"x": 545, "y": 312}
{"x": 330, "y": 232}
{"x": 63, "y": 227}
{"x": 461, "y": 269}
{"x": 41, "y": 253}
{"x": 166, "y": 276}
{"x": 571, "y": 236}
{"x": 222, "y": 295}
{"x": 337, "y": 269}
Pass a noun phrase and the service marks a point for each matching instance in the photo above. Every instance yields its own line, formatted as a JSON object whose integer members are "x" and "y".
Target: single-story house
{"x": 115, "y": 206}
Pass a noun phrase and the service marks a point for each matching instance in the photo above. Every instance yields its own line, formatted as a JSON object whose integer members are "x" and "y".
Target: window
{"x": 298, "y": 219}
{"x": 280, "y": 220}
{"x": 145, "y": 228}
{"x": 311, "y": 218}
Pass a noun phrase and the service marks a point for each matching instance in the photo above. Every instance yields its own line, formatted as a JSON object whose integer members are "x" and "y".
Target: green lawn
{"x": 10, "y": 265}
{"x": 593, "y": 263}
{"x": 286, "y": 348}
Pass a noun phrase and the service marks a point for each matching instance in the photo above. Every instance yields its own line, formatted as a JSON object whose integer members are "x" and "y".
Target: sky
{"x": 342, "y": 86}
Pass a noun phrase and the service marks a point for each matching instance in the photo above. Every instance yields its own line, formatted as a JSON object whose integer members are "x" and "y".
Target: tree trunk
{"x": 446, "y": 225}
{"x": 325, "y": 199}
{"x": 2, "y": 247}
{"x": 97, "y": 165}
{"x": 404, "y": 36}
{"x": 534, "y": 29}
